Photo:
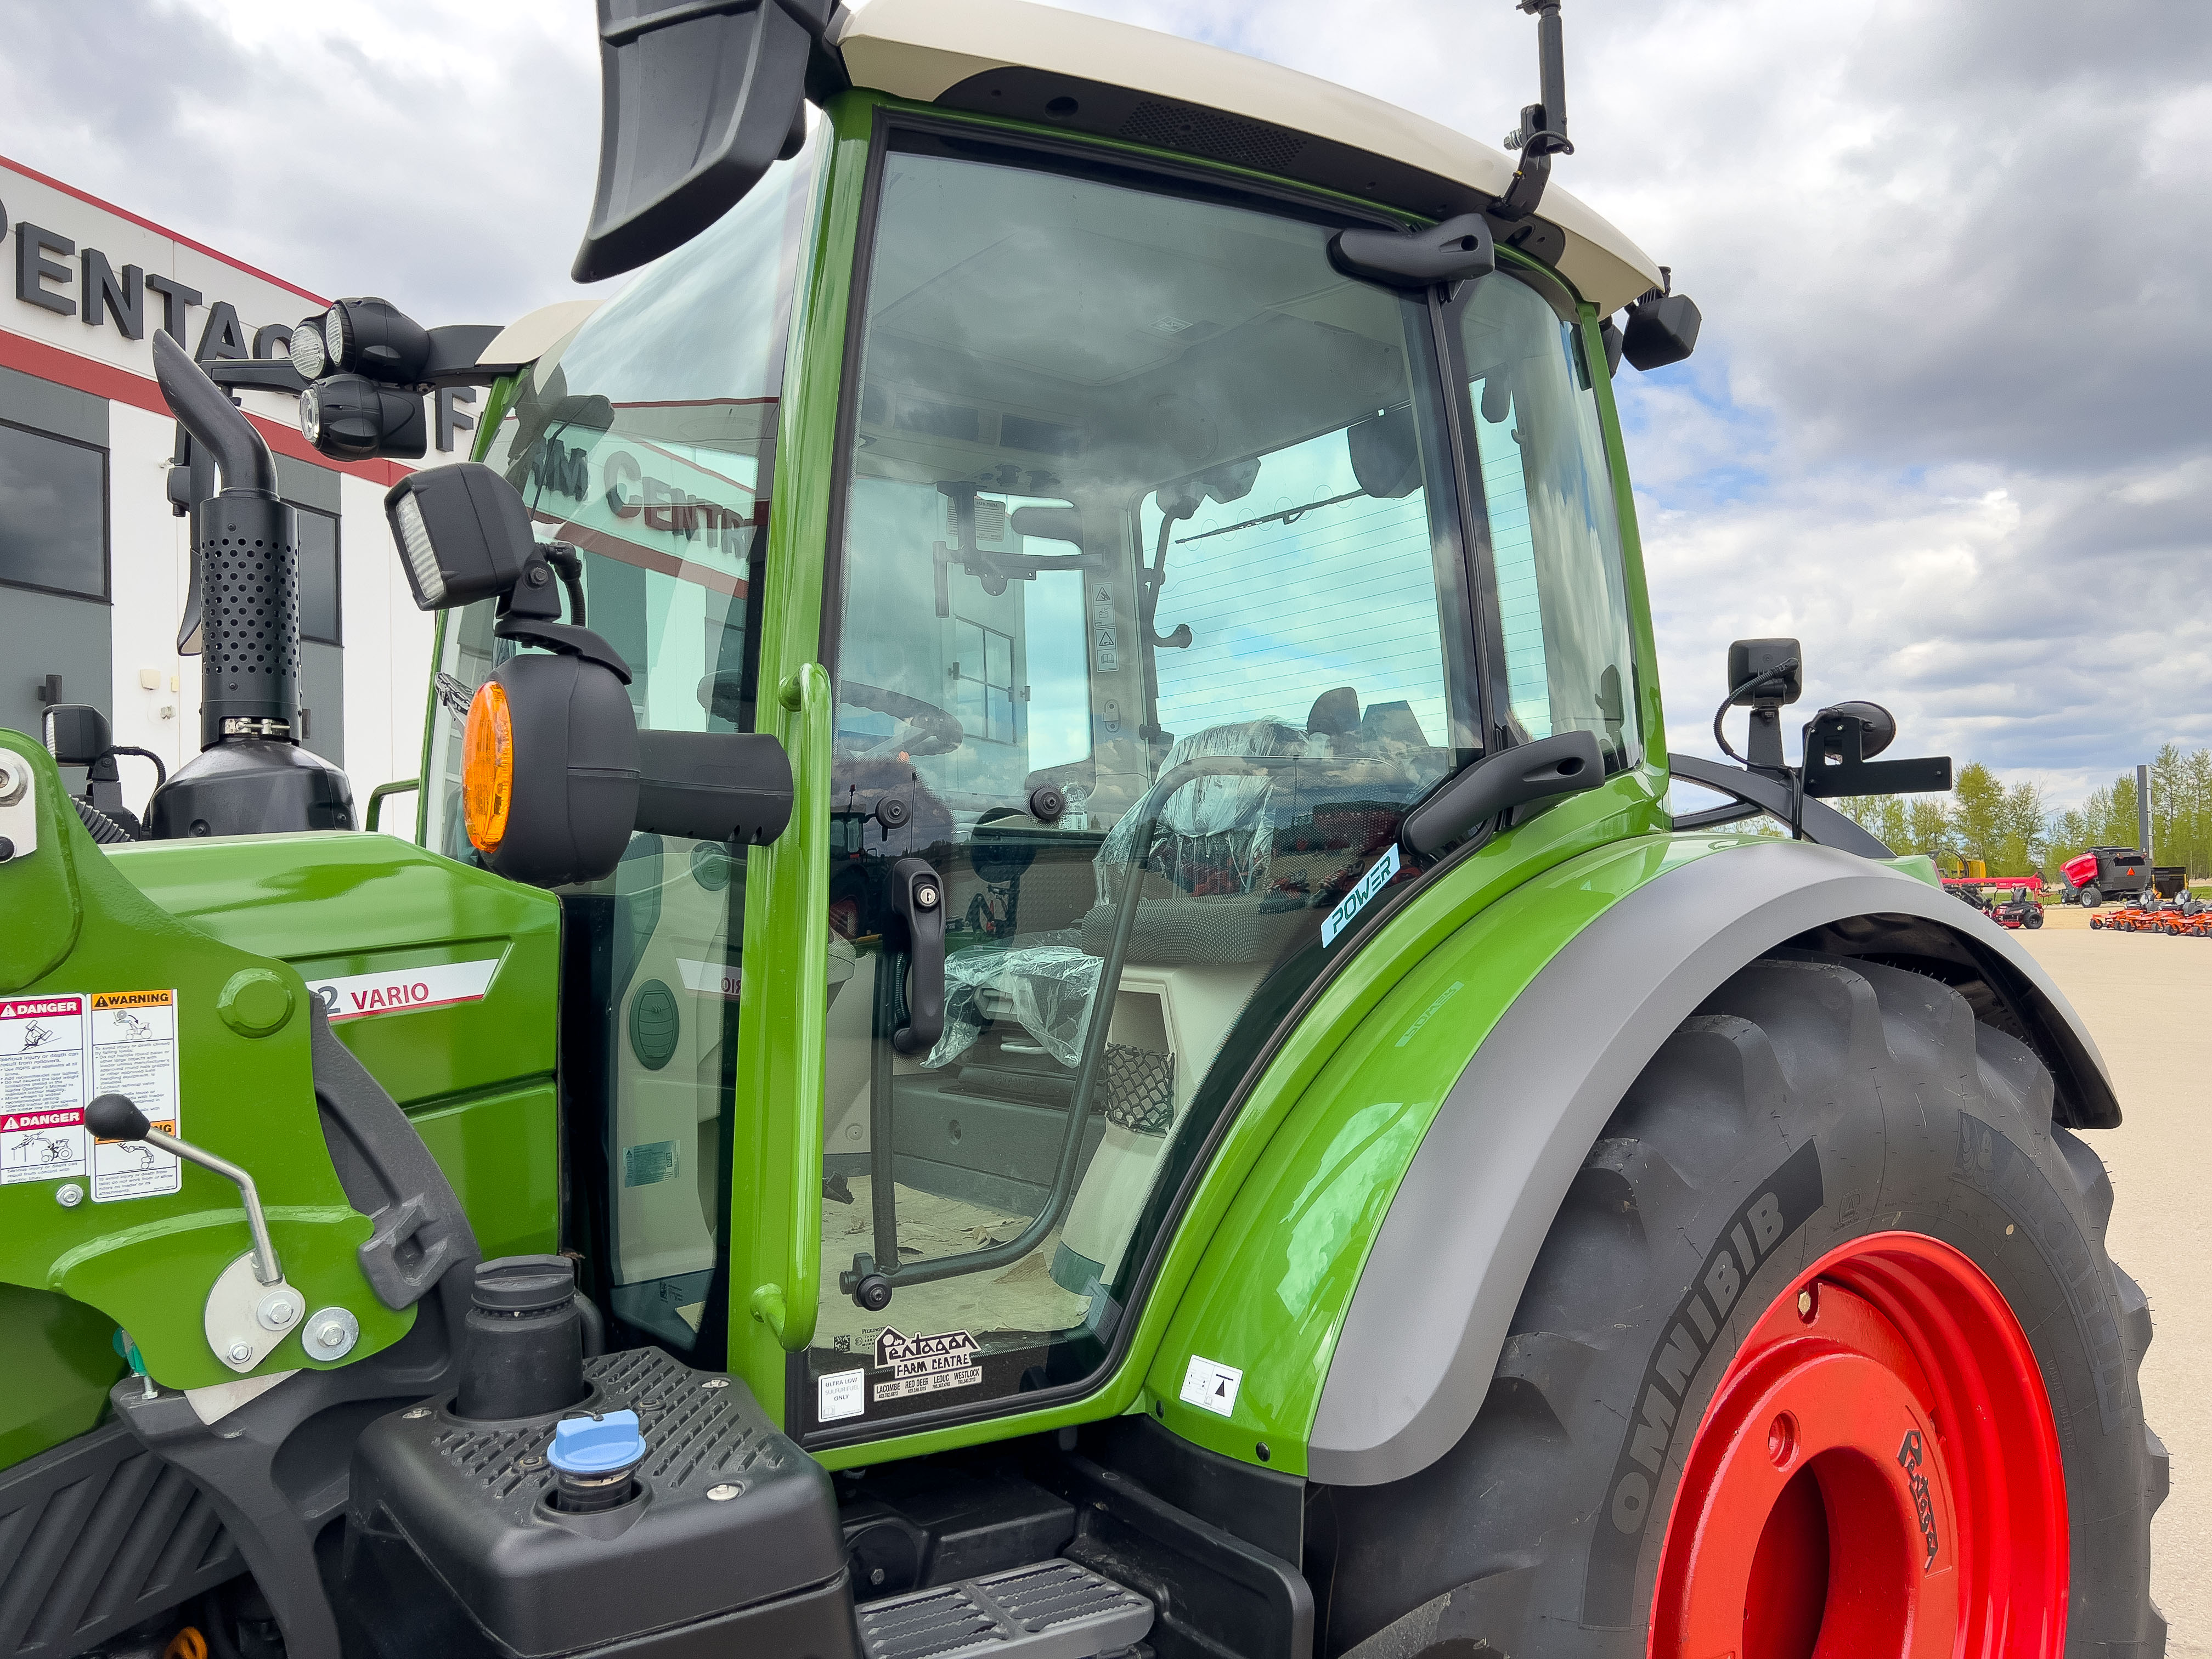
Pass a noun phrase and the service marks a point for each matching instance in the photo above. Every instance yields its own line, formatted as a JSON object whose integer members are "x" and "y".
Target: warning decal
{"x": 134, "y": 1052}
{"x": 42, "y": 1093}
{"x": 926, "y": 1365}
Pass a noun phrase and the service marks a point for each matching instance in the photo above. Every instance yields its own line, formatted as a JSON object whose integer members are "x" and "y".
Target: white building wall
{"x": 385, "y": 642}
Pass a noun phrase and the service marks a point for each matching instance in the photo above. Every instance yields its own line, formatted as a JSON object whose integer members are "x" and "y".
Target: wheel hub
{"x": 1878, "y": 1474}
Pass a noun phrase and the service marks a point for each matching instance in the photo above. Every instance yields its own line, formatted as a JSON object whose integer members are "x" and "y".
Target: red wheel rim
{"x": 1878, "y": 1475}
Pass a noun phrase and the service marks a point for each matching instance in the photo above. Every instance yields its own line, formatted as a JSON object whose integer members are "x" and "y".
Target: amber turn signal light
{"x": 488, "y": 767}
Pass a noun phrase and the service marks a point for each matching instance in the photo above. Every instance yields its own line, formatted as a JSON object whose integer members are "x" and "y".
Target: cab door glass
{"x": 1561, "y": 600}
{"x": 1150, "y": 624}
{"x": 646, "y": 441}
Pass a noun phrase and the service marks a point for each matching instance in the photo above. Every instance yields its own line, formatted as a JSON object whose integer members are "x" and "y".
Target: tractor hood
{"x": 1037, "y": 63}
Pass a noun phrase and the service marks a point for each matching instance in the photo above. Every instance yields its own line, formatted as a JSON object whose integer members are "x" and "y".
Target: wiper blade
{"x": 1289, "y": 515}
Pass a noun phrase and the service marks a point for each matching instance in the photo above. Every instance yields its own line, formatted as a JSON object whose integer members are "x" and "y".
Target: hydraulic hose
{"x": 241, "y": 454}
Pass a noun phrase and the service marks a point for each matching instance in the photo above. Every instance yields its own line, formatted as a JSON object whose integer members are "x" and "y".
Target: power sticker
{"x": 42, "y": 1094}
{"x": 926, "y": 1365}
{"x": 1378, "y": 877}
{"x": 134, "y": 1052}
{"x": 404, "y": 990}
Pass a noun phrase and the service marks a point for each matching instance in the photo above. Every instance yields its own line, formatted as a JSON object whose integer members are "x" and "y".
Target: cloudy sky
{"x": 1948, "y": 421}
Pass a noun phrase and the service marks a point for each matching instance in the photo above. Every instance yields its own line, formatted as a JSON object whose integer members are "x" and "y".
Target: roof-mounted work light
{"x": 374, "y": 337}
{"x": 350, "y": 417}
{"x": 305, "y": 350}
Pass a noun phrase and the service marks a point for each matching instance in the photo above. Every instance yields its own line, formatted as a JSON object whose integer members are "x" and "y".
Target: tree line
{"x": 2013, "y": 830}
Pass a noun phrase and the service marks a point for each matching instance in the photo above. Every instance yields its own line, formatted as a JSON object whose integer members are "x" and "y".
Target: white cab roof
{"x": 922, "y": 49}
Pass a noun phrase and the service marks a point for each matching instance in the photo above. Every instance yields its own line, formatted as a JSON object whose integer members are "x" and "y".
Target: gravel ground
{"x": 2147, "y": 999}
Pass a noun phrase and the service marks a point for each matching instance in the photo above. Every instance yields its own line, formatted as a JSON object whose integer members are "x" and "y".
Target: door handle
{"x": 918, "y": 895}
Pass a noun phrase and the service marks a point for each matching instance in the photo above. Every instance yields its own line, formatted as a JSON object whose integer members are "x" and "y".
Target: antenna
{"x": 1542, "y": 133}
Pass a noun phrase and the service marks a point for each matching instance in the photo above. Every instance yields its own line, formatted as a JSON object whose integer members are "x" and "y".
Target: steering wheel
{"x": 934, "y": 731}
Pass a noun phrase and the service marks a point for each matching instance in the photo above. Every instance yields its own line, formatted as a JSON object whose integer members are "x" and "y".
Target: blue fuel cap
{"x": 596, "y": 1446}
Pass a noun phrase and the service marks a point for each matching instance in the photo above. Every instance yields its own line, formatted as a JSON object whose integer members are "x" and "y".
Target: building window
{"x": 984, "y": 694}
{"x": 53, "y": 513}
{"x": 317, "y": 534}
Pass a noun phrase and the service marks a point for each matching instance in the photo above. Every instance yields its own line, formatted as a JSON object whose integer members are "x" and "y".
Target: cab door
{"x": 1150, "y": 614}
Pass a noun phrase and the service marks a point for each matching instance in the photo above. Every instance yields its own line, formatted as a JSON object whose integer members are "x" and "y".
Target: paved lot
{"x": 2149, "y": 1001}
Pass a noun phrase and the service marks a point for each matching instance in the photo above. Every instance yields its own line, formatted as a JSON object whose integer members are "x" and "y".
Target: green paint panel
{"x": 146, "y": 1263}
{"x": 503, "y": 1155}
{"x": 337, "y": 904}
{"x": 61, "y": 1363}
{"x": 1271, "y": 1293}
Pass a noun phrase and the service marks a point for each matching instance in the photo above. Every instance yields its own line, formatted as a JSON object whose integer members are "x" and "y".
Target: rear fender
{"x": 1422, "y": 1335}
{"x": 1361, "y": 1283}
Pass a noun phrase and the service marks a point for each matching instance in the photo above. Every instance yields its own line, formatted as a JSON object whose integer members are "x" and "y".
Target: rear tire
{"x": 2092, "y": 896}
{"x": 1813, "y": 1105}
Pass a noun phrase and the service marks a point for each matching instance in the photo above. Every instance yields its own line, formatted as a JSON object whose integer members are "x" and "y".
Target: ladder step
{"x": 1050, "y": 1610}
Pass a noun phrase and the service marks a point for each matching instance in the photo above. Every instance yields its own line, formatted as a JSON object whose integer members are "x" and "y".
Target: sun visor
{"x": 695, "y": 103}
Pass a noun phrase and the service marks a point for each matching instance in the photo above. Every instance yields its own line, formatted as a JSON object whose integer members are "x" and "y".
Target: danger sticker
{"x": 403, "y": 991}
{"x": 134, "y": 1052}
{"x": 925, "y": 1364}
{"x": 42, "y": 1094}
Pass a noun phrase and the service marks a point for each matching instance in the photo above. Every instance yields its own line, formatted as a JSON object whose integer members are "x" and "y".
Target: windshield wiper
{"x": 1289, "y": 515}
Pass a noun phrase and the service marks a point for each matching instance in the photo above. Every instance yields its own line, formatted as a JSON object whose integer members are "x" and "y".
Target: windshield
{"x": 646, "y": 441}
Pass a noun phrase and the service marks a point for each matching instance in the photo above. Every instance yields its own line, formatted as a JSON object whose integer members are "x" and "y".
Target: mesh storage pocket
{"x": 1139, "y": 1090}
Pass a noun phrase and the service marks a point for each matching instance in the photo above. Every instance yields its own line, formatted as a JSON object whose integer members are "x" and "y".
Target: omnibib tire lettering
{"x": 1775, "y": 1212}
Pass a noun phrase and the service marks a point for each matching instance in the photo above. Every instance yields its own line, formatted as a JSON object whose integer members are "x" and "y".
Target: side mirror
{"x": 696, "y": 103}
{"x": 76, "y": 734}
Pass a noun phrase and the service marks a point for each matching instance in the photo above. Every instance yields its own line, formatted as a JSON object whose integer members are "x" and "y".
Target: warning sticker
{"x": 1212, "y": 1385}
{"x": 925, "y": 1364}
{"x": 134, "y": 1052}
{"x": 403, "y": 991}
{"x": 42, "y": 1093}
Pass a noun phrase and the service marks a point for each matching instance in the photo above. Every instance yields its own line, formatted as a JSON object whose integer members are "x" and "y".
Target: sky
{"x": 1947, "y": 420}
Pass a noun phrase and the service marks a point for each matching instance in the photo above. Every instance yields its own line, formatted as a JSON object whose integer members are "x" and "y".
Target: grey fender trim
{"x": 1422, "y": 1336}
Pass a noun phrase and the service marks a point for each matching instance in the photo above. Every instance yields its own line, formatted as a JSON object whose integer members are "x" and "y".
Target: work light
{"x": 350, "y": 417}
{"x": 374, "y": 337}
{"x": 308, "y": 358}
{"x": 463, "y": 533}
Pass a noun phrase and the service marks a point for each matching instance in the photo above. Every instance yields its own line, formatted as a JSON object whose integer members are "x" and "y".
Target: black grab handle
{"x": 918, "y": 895}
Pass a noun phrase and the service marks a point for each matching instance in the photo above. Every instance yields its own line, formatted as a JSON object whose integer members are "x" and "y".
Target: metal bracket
{"x": 19, "y": 807}
{"x": 246, "y": 1319}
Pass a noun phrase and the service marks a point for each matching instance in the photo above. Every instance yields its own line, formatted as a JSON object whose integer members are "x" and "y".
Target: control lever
{"x": 250, "y": 1307}
{"x": 918, "y": 895}
{"x": 117, "y": 1117}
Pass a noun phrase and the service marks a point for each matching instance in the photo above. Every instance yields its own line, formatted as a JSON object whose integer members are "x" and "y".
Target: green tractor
{"x": 1046, "y": 1000}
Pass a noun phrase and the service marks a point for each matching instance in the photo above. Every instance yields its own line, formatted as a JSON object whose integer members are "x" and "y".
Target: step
{"x": 1049, "y": 1610}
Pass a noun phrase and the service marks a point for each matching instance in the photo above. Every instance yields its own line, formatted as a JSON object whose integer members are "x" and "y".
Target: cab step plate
{"x": 1052, "y": 1610}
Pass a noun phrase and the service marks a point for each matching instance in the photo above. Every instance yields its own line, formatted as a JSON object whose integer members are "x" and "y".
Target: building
{"x": 95, "y": 566}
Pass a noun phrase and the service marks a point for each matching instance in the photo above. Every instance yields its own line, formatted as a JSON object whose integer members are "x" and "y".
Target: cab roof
{"x": 1062, "y": 69}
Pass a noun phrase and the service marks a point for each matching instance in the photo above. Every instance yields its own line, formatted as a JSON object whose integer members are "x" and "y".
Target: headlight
{"x": 311, "y": 407}
{"x": 308, "y": 358}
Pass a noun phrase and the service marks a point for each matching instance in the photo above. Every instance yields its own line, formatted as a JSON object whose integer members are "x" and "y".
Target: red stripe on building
{"x": 91, "y": 200}
{"x": 120, "y": 385}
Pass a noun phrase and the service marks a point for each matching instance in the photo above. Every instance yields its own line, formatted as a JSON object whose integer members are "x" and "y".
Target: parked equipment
{"x": 2104, "y": 872}
{"x": 1044, "y": 1000}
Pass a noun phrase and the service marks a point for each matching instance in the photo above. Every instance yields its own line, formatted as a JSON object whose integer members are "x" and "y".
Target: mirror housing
{"x": 1662, "y": 329}
{"x": 1775, "y": 669}
{"x": 695, "y": 107}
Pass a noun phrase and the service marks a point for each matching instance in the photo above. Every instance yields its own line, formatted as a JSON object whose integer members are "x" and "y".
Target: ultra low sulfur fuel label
{"x": 57, "y": 1054}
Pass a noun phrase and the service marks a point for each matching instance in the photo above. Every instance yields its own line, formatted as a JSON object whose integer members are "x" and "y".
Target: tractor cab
{"x": 1172, "y": 557}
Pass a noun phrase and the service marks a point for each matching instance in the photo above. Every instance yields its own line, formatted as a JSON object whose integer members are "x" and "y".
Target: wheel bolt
{"x": 1782, "y": 1440}
{"x": 1806, "y": 1303}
